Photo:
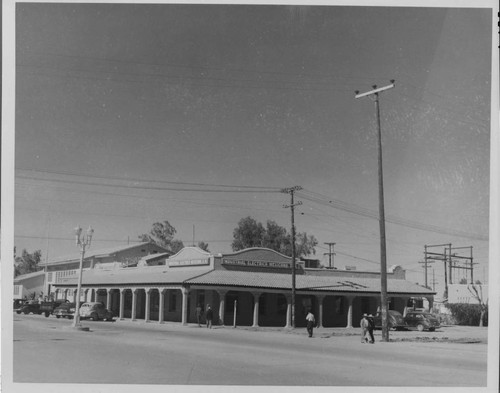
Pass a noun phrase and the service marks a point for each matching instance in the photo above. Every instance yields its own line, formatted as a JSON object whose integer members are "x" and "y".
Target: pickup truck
{"x": 47, "y": 308}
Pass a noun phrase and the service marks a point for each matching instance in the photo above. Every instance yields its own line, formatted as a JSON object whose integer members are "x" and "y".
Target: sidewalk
{"x": 457, "y": 334}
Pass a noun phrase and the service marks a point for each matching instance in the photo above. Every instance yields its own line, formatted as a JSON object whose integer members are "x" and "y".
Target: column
{"x": 134, "y": 303}
{"x": 74, "y": 295}
{"x": 349, "y": 300}
{"x": 405, "y": 309}
{"x": 148, "y": 304}
{"x": 320, "y": 312}
{"x": 430, "y": 299}
{"x": 256, "y": 296}
{"x": 185, "y": 294}
{"x": 288, "y": 311}
{"x": 161, "y": 316}
{"x": 85, "y": 293}
{"x": 222, "y": 305}
{"x": 108, "y": 298}
{"x": 122, "y": 302}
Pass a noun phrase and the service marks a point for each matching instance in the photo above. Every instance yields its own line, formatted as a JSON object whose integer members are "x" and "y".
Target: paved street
{"x": 148, "y": 353}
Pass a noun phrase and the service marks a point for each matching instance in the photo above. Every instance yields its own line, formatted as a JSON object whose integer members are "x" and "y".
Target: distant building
{"x": 60, "y": 268}
{"x": 461, "y": 293}
{"x": 29, "y": 285}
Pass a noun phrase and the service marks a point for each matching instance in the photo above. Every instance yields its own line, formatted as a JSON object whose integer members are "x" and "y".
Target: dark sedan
{"x": 29, "y": 307}
{"x": 65, "y": 310}
{"x": 421, "y": 321}
{"x": 394, "y": 320}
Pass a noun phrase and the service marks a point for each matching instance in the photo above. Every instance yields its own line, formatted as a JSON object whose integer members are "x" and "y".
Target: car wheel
{"x": 26, "y": 312}
{"x": 18, "y": 311}
{"x": 94, "y": 317}
{"x": 47, "y": 314}
{"x": 58, "y": 316}
{"x": 420, "y": 327}
{"x": 432, "y": 329}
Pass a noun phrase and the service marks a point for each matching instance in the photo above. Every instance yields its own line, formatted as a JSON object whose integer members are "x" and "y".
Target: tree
{"x": 203, "y": 246}
{"x": 162, "y": 234}
{"x": 251, "y": 233}
{"x": 476, "y": 291}
{"x": 27, "y": 262}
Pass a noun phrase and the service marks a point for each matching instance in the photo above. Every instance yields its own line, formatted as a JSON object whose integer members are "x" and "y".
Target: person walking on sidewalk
{"x": 371, "y": 328}
{"x": 209, "y": 315}
{"x": 310, "y": 323}
{"x": 364, "y": 328}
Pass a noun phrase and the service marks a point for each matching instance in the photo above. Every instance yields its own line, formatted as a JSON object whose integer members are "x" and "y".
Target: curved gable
{"x": 258, "y": 254}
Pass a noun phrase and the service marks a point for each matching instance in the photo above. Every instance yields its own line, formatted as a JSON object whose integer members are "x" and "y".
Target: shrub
{"x": 467, "y": 314}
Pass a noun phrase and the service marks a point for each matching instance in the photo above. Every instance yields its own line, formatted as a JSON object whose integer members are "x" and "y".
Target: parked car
{"x": 421, "y": 321}
{"x": 65, "y": 310}
{"x": 95, "y": 311}
{"x": 31, "y": 306}
{"x": 394, "y": 320}
{"x": 48, "y": 308}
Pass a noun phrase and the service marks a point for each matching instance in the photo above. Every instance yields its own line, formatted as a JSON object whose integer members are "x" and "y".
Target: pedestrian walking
{"x": 199, "y": 314}
{"x": 209, "y": 315}
{"x": 310, "y": 323}
{"x": 371, "y": 328}
{"x": 364, "y": 328}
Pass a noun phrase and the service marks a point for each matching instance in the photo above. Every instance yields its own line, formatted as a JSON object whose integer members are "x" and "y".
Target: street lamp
{"x": 83, "y": 241}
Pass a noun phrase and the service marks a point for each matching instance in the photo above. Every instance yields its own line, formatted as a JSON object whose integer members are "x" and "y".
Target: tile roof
{"x": 305, "y": 282}
{"x": 161, "y": 275}
{"x": 94, "y": 253}
{"x": 29, "y": 275}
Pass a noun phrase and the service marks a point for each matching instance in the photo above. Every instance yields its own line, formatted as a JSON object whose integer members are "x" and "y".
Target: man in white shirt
{"x": 310, "y": 323}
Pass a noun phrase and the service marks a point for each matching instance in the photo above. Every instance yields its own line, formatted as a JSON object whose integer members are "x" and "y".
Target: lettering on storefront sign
{"x": 188, "y": 262}
{"x": 242, "y": 262}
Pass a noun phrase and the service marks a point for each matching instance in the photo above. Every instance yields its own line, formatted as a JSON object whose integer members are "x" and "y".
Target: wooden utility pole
{"x": 374, "y": 94}
{"x": 292, "y": 205}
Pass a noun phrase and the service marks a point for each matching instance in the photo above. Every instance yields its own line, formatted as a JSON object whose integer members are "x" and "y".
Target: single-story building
{"x": 252, "y": 287}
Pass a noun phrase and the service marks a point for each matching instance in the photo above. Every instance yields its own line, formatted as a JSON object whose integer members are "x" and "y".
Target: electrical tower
{"x": 453, "y": 262}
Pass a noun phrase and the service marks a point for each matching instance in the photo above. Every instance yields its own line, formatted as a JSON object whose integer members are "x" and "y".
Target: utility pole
{"x": 292, "y": 205}
{"x": 426, "y": 263}
{"x": 330, "y": 254}
{"x": 434, "y": 282}
{"x": 374, "y": 95}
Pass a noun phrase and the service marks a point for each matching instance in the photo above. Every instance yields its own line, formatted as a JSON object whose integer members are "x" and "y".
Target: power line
{"x": 144, "y": 187}
{"x": 323, "y": 200}
{"x": 68, "y": 173}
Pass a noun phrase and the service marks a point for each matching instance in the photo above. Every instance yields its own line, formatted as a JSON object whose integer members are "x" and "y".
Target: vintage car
{"x": 65, "y": 310}
{"x": 31, "y": 306}
{"x": 18, "y": 303}
{"x": 394, "y": 320}
{"x": 47, "y": 308}
{"x": 421, "y": 321}
{"x": 95, "y": 311}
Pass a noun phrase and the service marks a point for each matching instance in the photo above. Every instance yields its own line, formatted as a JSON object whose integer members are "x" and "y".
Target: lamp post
{"x": 83, "y": 241}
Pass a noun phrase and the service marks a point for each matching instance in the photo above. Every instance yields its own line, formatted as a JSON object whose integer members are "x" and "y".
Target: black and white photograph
{"x": 238, "y": 196}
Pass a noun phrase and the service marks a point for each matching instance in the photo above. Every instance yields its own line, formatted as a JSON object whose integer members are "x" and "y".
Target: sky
{"x": 130, "y": 114}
